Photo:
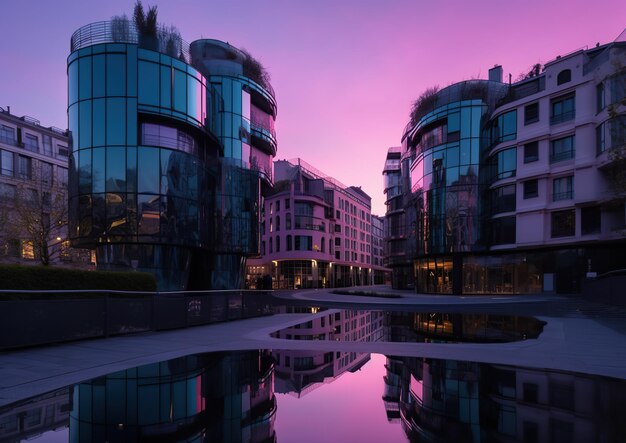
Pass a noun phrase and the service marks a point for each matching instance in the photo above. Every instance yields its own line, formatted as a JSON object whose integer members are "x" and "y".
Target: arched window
{"x": 288, "y": 220}
{"x": 271, "y": 245}
{"x": 277, "y": 224}
{"x": 277, "y": 243}
{"x": 323, "y": 244}
{"x": 289, "y": 242}
{"x": 564, "y": 76}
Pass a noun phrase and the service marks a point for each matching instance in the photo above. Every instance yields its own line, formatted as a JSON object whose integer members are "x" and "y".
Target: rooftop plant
{"x": 253, "y": 69}
{"x": 425, "y": 103}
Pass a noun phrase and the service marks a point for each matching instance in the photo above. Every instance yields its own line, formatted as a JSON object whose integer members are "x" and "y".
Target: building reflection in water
{"x": 208, "y": 397}
{"x": 475, "y": 328}
{"x": 300, "y": 371}
{"x": 448, "y": 400}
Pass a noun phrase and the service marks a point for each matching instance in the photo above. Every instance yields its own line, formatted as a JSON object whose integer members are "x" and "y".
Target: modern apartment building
{"x": 33, "y": 179}
{"x": 515, "y": 187}
{"x": 316, "y": 232}
{"x": 172, "y": 150}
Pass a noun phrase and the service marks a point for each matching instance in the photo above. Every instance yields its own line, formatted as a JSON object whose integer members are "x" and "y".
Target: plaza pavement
{"x": 577, "y": 337}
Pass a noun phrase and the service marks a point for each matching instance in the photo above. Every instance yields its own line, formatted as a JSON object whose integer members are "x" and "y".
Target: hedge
{"x": 53, "y": 278}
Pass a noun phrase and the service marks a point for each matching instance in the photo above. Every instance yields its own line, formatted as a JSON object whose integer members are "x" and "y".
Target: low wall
{"x": 609, "y": 290}
{"x": 38, "y": 321}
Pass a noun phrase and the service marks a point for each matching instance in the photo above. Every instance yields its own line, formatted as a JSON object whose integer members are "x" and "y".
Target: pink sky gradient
{"x": 349, "y": 409}
{"x": 345, "y": 72}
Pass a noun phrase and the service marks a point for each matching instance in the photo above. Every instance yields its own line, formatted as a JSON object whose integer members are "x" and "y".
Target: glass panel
{"x": 99, "y": 79}
{"x": 98, "y": 122}
{"x": 116, "y": 121}
{"x": 85, "y": 124}
{"x": 148, "y": 176}
{"x": 116, "y": 75}
{"x": 116, "y": 170}
{"x": 84, "y": 171}
{"x": 131, "y": 169}
{"x": 85, "y": 78}
{"x": 180, "y": 91}
{"x": 148, "y": 88}
{"x": 98, "y": 170}
{"x": 131, "y": 123}
{"x": 73, "y": 82}
{"x": 131, "y": 71}
{"x": 166, "y": 87}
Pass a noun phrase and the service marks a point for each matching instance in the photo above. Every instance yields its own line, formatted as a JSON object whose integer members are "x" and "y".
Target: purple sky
{"x": 345, "y": 72}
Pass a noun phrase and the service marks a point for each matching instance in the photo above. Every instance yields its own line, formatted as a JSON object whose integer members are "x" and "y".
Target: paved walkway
{"x": 577, "y": 341}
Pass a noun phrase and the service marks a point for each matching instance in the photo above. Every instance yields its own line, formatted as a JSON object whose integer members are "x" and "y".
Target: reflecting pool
{"x": 296, "y": 396}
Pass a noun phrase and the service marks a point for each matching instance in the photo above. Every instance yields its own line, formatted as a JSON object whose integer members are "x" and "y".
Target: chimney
{"x": 495, "y": 74}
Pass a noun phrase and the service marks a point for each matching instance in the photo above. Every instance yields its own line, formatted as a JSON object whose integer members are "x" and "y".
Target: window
{"x": 564, "y": 76}
{"x": 46, "y": 141}
{"x": 337, "y": 241}
{"x": 46, "y": 174}
{"x": 28, "y": 251}
{"x": 323, "y": 245}
{"x": 277, "y": 206}
{"x": 531, "y": 113}
{"x": 563, "y": 109}
{"x": 531, "y": 189}
{"x": 277, "y": 243}
{"x": 288, "y": 220}
{"x": 7, "y": 192}
{"x": 563, "y": 188}
{"x": 531, "y": 152}
{"x": 618, "y": 88}
{"x": 504, "y": 127}
{"x": 289, "y": 242}
{"x": 563, "y": 223}
{"x": 531, "y": 392}
{"x": 24, "y": 167}
{"x": 63, "y": 151}
{"x": 504, "y": 164}
{"x": 287, "y": 201}
{"x": 503, "y": 199}
{"x": 7, "y": 135}
{"x": 277, "y": 220}
{"x": 7, "y": 163}
{"x": 304, "y": 243}
{"x": 271, "y": 245}
{"x": 271, "y": 224}
{"x": 590, "y": 220}
{"x": 271, "y": 208}
{"x": 62, "y": 176}
{"x": 503, "y": 230}
{"x": 600, "y": 139}
{"x": 600, "y": 98}
{"x": 562, "y": 149}
{"x": 31, "y": 143}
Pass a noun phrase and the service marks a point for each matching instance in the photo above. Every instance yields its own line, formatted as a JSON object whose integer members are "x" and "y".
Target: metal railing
{"x": 563, "y": 117}
{"x": 125, "y": 31}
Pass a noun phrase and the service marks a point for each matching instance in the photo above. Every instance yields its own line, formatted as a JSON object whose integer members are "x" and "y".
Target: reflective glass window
{"x": 600, "y": 97}
{"x": 116, "y": 75}
{"x": 84, "y": 171}
{"x": 562, "y": 149}
{"x": 116, "y": 121}
{"x": 99, "y": 120}
{"x": 503, "y": 230}
{"x": 99, "y": 75}
{"x": 563, "y": 188}
{"x": 148, "y": 88}
{"x": 180, "y": 91}
{"x": 98, "y": 170}
{"x": 73, "y": 82}
{"x": 166, "y": 86}
{"x": 84, "y": 89}
{"x": 85, "y": 124}
{"x": 563, "y": 109}
{"x": 6, "y": 163}
{"x": 503, "y": 199}
{"x": 148, "y": 170}
{"x": 116, "y": 170}
{"x": 531, "y": 188}
{"x": 131, "y": 169}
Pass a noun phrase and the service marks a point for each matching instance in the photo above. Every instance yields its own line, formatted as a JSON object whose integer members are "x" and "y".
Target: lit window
{"x": 28, "y": 250}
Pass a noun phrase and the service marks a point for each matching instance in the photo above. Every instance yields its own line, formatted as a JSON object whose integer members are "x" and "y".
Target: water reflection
{"x": 346, "y": 325}
{"x": 447, "y": 400}
{"x": 208, "y": 397}
{"x": 230, "y": 396}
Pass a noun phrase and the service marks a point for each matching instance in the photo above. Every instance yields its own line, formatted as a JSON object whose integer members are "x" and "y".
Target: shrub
{"x": 50, "y": 278}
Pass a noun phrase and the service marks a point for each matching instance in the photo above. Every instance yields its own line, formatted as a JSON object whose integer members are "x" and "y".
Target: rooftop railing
{"x": 166, "y": 41}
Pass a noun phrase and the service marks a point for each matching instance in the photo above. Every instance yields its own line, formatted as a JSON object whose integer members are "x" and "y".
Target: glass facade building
{"x": 161, "y": 177}
{"x": 514, "y": 190}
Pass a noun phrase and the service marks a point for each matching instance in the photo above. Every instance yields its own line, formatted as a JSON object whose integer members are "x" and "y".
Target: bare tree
{"x": 39, "y": 214}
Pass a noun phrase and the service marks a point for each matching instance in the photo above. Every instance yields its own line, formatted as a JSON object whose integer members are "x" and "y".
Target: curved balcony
{"x": 264, "y": 136}
{"x": 125, "y": 31}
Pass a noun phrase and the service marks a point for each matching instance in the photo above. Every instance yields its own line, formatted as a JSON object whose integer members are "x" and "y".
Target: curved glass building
{"x": 443, "y": 146}
{"x": 164, "y": 171}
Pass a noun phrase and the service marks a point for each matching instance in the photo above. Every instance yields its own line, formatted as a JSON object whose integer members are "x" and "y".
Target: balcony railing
{"x": 560, "y": 156}
{"x": 125, "y": 31}
{"x": 560, "y": 118}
